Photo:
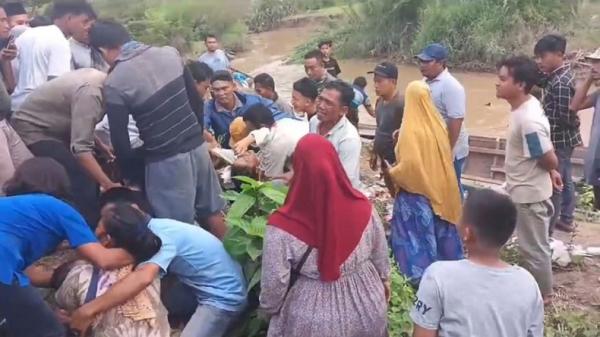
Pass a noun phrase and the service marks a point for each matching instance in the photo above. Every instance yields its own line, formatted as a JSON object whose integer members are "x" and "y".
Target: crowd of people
{"x": 106, "y": 143}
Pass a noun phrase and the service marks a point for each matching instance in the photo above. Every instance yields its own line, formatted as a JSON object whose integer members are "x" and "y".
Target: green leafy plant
{"x": 568, "y": 323}
{"x": 247, "y": 218}
{"x": 401, "y": 302}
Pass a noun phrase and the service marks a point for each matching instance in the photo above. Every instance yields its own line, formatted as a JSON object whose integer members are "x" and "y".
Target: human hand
{"x": 387, "y": 286}
{"x": 62, "y": 316}
{"x": 242, "y": 146}
{"x": 395, "y": 135}
{"x": 373, "y": 161}
{"x": 557, "y": 182}
{"x": 81, "y": 320}
{"x": 8, "y": 54}
{"x": 109, "y": 185}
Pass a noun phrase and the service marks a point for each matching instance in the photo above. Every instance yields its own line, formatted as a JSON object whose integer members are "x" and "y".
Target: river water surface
{"x": 486, "y": 115}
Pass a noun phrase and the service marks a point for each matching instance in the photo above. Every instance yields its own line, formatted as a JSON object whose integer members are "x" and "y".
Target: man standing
{"x": 214, "y": 56}
{"x": 82, "y": 55}
{"x": 564, "y": 123}
{"x": 44, "y": 52}
{"x": 58, "y": 120}
{"x": 359, "y": 85}
{"x": 530, "y": 167}
{"x": 330, "y": 122}
{"x": 315, "y": 69}
{"x": 264, "y": 85}
{"x": 17, "y": 15}
{"x": 153, "y": 85}
{"x": 389, "y": 110}
{"x": 331, "y": 64}
{"x": 228, "y": 104}
{"x": 304, "y": 96}
{"x": 449, "y": 98}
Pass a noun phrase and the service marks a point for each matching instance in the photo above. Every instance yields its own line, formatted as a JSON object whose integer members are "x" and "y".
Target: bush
{"x": 401, "y": 303}
{"x": 268, "y": 13}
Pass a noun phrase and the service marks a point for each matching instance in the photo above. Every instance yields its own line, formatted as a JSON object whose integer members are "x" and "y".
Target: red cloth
{"x": 322, "y": 208}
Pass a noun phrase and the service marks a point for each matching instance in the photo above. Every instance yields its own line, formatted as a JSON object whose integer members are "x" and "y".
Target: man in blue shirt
{"x": 229, "y": 104}
{"x": 197, "y": 258}
{"x": 449, "y": 98}
{"x": 214, "y": 57}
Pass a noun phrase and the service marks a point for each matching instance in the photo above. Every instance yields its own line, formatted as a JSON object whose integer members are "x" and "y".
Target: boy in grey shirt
{"x": 483, "y": 295}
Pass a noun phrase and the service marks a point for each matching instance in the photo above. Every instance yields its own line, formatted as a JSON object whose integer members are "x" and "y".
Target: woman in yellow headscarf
{"x": 428, "y": 202}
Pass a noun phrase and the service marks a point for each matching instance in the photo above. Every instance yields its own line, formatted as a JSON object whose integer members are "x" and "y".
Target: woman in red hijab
{"x": 325, "y": 259}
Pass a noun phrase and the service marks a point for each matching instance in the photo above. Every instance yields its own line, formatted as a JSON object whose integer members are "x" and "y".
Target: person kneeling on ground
{"x": 276, "y": 140}
{"x": 196, "y": 257}
{"x": 34, "y": 220}
{"x": 449, "y": 301}
{"x": 80, "y": 282}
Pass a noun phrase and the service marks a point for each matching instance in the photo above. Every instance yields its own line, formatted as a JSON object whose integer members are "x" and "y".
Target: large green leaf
{"x": 258, "y": 226}
{"x": 249, "y": 181}
{"x": 230, "y": 195}
{"x": 273, "y": 194}
{"x": 254, "y": 249}
{"x": 241, "y": 206}
{"x": 255, "y": 280}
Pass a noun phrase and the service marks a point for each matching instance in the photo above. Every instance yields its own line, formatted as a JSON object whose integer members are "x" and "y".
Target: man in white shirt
{"x": 214, "y": 57}
{"x": 330, "y": 122}
{"x": 44, "y": 52}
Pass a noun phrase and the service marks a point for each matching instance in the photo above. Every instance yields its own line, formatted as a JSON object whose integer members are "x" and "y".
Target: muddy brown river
{"x": 486, "y": 115}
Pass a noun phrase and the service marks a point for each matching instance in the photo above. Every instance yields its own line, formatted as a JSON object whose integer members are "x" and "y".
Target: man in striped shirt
{"x": 153, "y": 85}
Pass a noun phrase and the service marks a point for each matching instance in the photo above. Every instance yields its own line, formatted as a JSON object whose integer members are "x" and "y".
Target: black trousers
{"x": 25, "y": 314}
{"x": 84, "y": 190}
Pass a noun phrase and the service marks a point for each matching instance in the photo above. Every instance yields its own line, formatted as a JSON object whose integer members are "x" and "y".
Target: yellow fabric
{"x": 139, "y": 308}
{"x": 424, "y": 158}
{"x": 238, "y": 130}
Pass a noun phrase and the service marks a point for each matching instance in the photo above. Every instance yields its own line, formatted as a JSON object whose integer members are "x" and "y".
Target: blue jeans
{"x": 209, "y": 321}
{"x": 459, "y": 165}
{"x": 564, "y": 202}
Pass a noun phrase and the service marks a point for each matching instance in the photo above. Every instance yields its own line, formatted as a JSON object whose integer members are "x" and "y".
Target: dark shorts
{"x": 23, "y": 313}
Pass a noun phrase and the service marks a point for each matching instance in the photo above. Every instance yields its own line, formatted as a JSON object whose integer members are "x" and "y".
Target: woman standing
{"x": 428, "y": 203}
{"x": 325, "y": 264}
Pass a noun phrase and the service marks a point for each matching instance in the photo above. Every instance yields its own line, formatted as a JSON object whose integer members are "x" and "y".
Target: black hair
{"x": 523, "y": 70}
{"x": 345, "y": 90}
{"x": 221, "y": 75}
{"x": 307, "y": 88}
{"x": 128, "y": 228}
{"x": 360, "y": 81}
{"x": 39, "y": 175}
{"x": 200, "y": 71}
{"x": 125, "y": 195}
{"x": 314, "y": 54}
{"x": 210, "y": 36}
{"x": 61, "y": 8}
{"x": 259, "y": 115}
{"x": 551, "y": 43}
{"x": 492, "y": 215}
{"x": 265, "y": 80}
{"x": 325, "y": 42}
{"x": 40, "y": 21}
{"x": 108, "y": 34}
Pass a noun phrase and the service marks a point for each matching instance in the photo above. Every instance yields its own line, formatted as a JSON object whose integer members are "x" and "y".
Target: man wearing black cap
{"x": 449, "y": 98}
{"x": 389, "y": 110}
{"x": 17, "y": 15}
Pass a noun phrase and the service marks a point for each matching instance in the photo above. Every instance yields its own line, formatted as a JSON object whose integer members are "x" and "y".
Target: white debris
{"x": 593, "y": 251}
{"x": 560, "y": 253}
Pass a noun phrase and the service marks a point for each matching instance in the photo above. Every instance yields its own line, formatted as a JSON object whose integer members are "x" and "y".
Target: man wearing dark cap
{"x": 449, "y": 98}
{"x": 389, "y": 110}
{"x": 17, "y": 15}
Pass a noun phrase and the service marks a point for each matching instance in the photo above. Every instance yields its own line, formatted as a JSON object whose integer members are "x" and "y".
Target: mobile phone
{"x": 11, "y": 42}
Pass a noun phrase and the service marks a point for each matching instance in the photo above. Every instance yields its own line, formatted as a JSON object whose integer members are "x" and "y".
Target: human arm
{"x": 242, "y": 146}
{"x": 118, "y": 121}
{"x": 276, "y": 271}
{"x": 207, "y": 116}
{"x": 455, "y": 101}
{"x": 428, "y": 310}
{"x": 368, "y": 106}
{"x": 538, "y": 145}
{"x": 454, "y": 127}
{"x": 582, "y": 100}
{"x": 119, "y": 293}
{"x": 7, "y": 55}
{"x": 196, "y": 101}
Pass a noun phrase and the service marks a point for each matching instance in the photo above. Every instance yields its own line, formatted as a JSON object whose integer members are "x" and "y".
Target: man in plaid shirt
{"x": 564, "y": 123}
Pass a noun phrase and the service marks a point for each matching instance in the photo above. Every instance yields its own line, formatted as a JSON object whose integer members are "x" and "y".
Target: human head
{"x": 334, "y": 102}
{"x": 117, "y": 195}
{"x": 314, "y": 66}
{"x": 488, "y": 220}
{"x": 4, "y": 26}
{"x": 40, "y": 21}
{"x": 516, "y": 76}
{"x": 223, "y": 88}
{"x": 258, "y": 116}
{"x": 549, "y": 52}
{"x": 594, "y": 59}
{"x": 201, "y": 72}
{"x": 123, "y": 225}
{"x": 74, "y": 18}
{"x": 211, "y": 42}
{"x": 304, "y": 95}
{"x": 326, "y": 47}
{"x": 360, "y": 82}
{"x": 17, "y": 15}
{"x": 385, "y": 77}
{"x": 39, "y": 175}
{"x": 109, "y": 37}
{"x": 432, "y": 60}
{"x": 264, "y": 85}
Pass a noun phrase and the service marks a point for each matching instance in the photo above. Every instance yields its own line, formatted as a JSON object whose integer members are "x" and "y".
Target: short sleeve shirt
{"x": 32, "y": 226}
{"x": 200, "y": 261}
{"x": 460, "y": 298}
{"x": 389, "y": 118}
{"x": 216, "y": 60}
{"x": 528, "y": 139}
